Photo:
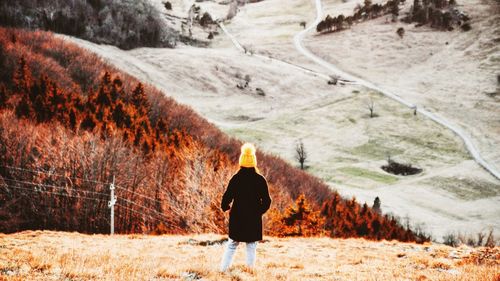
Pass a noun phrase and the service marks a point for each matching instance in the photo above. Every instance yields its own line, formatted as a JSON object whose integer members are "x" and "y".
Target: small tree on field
{"x": 490, "y": 241}
{"x": 401, "y": 32}
{"x": 371, "y": 106}
{"x": 247, "y": 80}
{"x": 300, "y": 154}
{"x": 168, "y": 5}
{"x": 303, "y": 24}
{"x": 451, "y": 239}
{"x": 206, "y": 19}
{"x": 480, "y": 239}
{"x": 376, "y": 206}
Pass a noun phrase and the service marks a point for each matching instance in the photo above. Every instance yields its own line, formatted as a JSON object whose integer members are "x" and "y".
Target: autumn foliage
{"x": 70, "y": 125}
{"x": 299, "y": 219}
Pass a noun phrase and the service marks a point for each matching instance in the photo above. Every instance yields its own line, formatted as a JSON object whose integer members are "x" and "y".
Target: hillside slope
{"x": 346, "y": 148}
{"x": 127, "y": 24}
{"x": 451, "y": 73}
{"x": 81, "y": 125}
{"x": 43, "y": 255}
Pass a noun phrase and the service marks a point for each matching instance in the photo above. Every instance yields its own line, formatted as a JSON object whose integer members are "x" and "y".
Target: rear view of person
{"x": 248, "y": 192}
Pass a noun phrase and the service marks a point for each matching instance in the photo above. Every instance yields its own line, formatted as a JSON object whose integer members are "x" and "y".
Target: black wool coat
{"x": 250, "y": 196}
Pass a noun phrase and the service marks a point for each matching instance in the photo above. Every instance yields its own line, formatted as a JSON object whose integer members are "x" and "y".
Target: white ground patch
{"x": 346, "y": 147}
{"x": 453, "y": 73}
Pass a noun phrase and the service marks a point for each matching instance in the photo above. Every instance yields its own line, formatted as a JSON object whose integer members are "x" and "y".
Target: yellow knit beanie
{"x": 247, "y": 156}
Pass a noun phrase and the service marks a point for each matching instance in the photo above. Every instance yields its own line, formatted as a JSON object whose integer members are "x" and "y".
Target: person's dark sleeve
{"x": 228, "y": 196}
{"x": 266, "y": 199}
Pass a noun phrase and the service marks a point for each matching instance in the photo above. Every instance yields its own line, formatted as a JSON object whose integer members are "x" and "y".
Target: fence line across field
{"x": 147, "y": 211}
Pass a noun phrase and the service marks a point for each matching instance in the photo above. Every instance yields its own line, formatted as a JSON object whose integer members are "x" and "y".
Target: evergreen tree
{"x": 394, "y": 8}
{"x": 140, "y": 100}
{"x": 121, "y": 116}
{"x": 376, "y": 206}
{"x": 23, "y": 108}
{"x": 3, "y": 96}
{"x": 301, "y": 220}
{"x": 22, "y": 77}
{"x": 89, "y": 122}
{"x": 417, "y": 11}
{"x": 106, "y": 79}
{"x": 340, "y": 22}
{"x": 103, "y": 98}
{"x": 72, "y": 119}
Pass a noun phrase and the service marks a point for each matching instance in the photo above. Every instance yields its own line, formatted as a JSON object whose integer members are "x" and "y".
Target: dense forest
{"x": 126, "y": 23}
{"x": 70, "y": 125}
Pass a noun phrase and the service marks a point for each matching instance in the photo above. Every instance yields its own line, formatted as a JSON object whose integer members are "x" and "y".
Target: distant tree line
{"x": 361, "y": 12}
{"x": 440, "y": 14}
{"x": 126, "y": 24}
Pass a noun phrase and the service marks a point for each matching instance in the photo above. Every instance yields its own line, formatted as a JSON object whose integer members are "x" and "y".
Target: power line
{"x": 93, "y": 192}
{"x": 139, "y": 194}
{"x": 143, "y": 196}
{"x": 150, "y": 216}
{"x": 149, "y": 212}
{"x": 50, "y": 192}
{"x": 55, "y": 186}
{"x": 137, "y": 212}
{"x": 142, "y": 206}
{"x": 50, "y": 173}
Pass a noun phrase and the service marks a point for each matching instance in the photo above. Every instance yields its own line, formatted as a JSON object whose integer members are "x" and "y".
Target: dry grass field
{"x": 46, "y": 255}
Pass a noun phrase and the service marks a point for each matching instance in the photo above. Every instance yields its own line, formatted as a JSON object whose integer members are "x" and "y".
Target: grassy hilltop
{"x": 46, "y": 255}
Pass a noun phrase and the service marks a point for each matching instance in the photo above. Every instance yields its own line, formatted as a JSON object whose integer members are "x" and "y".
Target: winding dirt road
{"x": 298, "y": 38}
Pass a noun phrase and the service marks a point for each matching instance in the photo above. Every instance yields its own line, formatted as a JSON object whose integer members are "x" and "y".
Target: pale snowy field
{"x": 453, "y": 73}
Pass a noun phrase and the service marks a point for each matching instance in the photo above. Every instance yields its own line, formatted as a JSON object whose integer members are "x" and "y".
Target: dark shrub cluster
{"x": 439, "y": 14}
{"x": 361, "y": 12}
{"x": 396, "y": 168}
{"x": 126, "y": 24}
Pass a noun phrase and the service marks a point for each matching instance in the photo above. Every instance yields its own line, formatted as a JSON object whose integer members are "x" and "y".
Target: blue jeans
{"x": 231, "y": 246}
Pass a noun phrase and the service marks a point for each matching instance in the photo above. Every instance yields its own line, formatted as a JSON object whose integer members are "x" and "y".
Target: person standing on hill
{"x": 248, "y": 192}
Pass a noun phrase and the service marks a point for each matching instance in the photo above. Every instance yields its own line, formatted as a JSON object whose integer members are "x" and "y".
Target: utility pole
{"x": 111, "y": 205}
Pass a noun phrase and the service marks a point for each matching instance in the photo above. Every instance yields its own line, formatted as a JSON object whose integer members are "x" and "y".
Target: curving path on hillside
{"x": 344, "y": 76}
{"x": 297, "y": 40}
